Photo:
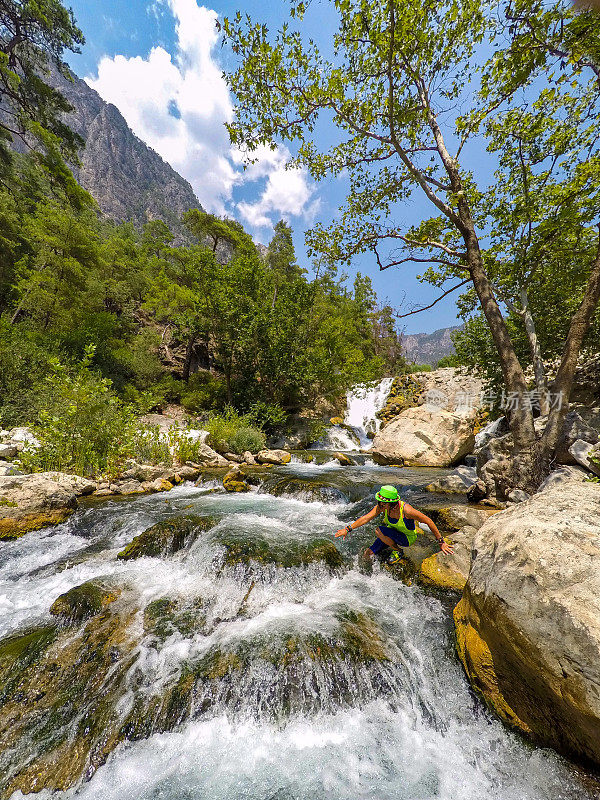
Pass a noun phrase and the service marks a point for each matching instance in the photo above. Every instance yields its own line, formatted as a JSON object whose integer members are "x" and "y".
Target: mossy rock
{"x": 168, "y": 537}
{"x": 313, "y": 488}
{"x": 84, "y": 601}
{"x": 165, "y": 616}
{"x": 14, "y": 528}
{"x": 58, "y": 700}
{"x": 291, "y": 554}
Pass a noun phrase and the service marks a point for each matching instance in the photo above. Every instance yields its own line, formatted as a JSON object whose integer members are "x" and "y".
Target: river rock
{"x": 30, "y": 502}
{"x": 425, "y": 436}
{"x": 128, "y": 487}
{"x": 249, "y": 458}
{"x": 235, "y": 481}
{"x": 84, "y": 601}
{"x": 234, "y": 457}
{"x": 344, "y": 460}
{"x": 528, "y": 625}
{"x": 273, "y": 457}
{"x": 450, "y": 571}
{"x": 74, "y": 483}
{"x": 459, "y": 481}
{"x": 167, "y": 538}
{"x": 518, "y": 496}
{"x": 143, "y": 472}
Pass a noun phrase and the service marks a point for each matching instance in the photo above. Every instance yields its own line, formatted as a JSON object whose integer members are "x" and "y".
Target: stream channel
{"x": 331, "y": 682}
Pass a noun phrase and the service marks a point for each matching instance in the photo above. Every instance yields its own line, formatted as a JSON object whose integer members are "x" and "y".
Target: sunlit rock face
{"x": 528, "y": 626}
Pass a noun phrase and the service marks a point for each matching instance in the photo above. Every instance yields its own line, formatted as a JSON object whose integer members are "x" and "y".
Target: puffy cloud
{"x": 178, "y": 104}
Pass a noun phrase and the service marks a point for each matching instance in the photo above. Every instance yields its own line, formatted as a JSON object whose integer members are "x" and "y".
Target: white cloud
{"x": 178, "y": 104}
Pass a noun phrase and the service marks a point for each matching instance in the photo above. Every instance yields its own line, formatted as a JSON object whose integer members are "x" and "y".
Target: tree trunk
{"x": 189, "y": 354}
{"x": 520, "y": 416}
{"x": 563, "y": 383}
{"x": 539, "y": 369}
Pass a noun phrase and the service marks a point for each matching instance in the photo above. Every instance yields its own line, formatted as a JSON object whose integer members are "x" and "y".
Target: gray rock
{"x": 563, "y": 475}
{"x": 518, "y": 496}
{"x": 574, "y": 429}
{"x": 588, "y": 455}
{"x": 249, "y": 458}
{"x": 129, "y": 487}
{"x": 459, "y": 481}
{"x": 8, "y": 450}
{"x": 471, "y": 460}
{"x": 234, "y": 457}
{"x": 528, "y": 626}
{"x": 9, "y": 469}
{"x": 425, "y": 436}
{"x": 450, "y": 571}
{"x": 143, "y": 472}
{"x": 74, "y": 483}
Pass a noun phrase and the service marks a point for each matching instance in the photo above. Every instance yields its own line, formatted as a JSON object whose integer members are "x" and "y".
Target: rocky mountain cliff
{"x": 128, "y": 179}
{"x": 428, "y": 348}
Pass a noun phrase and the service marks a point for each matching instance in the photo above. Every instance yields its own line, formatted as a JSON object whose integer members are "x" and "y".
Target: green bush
{"x": 83, "y": 427}
{"x": 149, "y": 447}
{"x": 203, "y": 392}
{"x": 267, "y": 416}
{"x": 448, "y": 361}
{"x": 419, "y": 368}
{"x": 231, "y": 432}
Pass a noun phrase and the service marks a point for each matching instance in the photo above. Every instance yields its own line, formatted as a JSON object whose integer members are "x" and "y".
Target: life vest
{"x": 400, "y": 526}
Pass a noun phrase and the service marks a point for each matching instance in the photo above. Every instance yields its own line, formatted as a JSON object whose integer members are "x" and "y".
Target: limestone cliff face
{"x": 129, "y": 180}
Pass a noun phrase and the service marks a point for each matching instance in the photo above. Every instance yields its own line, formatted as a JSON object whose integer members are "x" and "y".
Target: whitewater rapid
{"x": 406, "y": 729}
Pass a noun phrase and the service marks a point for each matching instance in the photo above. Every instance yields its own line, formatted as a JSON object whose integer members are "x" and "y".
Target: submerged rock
{"x": 528, "y": 626}
{"x": 244, "y": 550}
{"x": 167, "y": 538}
{"x": 84, "y": 601}
{"x": 344, "y": 460}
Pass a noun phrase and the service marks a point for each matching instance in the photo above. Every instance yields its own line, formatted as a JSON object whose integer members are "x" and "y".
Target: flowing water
{"x": 404, "y": 727}
{"x": 362, "y": 404}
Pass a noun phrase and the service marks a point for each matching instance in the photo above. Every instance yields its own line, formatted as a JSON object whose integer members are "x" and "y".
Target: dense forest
{"x": 135, "y": 318}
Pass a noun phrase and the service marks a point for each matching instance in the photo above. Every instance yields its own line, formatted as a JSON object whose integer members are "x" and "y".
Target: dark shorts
{"x": 400, "y": 538}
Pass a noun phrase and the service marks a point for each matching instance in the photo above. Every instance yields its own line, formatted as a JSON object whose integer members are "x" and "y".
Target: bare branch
{"x": 437, "y": 300}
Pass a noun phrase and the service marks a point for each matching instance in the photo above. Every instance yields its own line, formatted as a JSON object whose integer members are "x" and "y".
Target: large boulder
{"x": 167, "y": 538}
{"x": 528, "y": 625}
{"x": 30, "y": 502}
{"x": 426, "y": 436}
{"x": 273, "y": 457}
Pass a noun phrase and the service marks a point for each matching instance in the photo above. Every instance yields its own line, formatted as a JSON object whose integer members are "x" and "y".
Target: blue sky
{"x": 159, "y": 62}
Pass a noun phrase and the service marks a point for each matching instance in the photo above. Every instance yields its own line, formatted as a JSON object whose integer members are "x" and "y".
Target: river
{"x": 404, "y": 727}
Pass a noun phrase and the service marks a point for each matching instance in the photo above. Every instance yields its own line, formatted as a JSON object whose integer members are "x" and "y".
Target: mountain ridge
{"x": 428, "y": 348}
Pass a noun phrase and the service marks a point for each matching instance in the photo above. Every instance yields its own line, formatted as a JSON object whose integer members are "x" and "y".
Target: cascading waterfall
{"x": 362, "y": 404}
{"x": 284, "y": 679}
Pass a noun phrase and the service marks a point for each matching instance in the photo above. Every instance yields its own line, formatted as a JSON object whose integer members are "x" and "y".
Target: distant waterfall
{"x": 363, "y": 402}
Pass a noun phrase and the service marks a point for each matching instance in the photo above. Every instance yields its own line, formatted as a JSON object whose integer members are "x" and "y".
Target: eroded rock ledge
{"x": 528, "y": 625}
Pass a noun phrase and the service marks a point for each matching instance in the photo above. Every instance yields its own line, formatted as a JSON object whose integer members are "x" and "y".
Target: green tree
{"x": 396, "y": 70}
{"x": 33, "y": 37}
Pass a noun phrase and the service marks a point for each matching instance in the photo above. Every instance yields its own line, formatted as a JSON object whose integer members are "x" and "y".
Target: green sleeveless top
{"x": 400, "y": 525}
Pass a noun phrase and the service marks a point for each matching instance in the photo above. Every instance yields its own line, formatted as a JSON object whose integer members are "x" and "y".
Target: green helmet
{"x": 388, "y": 494}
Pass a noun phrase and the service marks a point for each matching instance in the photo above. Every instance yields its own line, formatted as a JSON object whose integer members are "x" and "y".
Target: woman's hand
{"x": 446, "y": 548}
{"x": 343, "y": 532}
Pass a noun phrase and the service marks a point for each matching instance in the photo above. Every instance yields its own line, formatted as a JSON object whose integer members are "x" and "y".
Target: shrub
{"x": 419, "y": 368}
{"x": 267, "y": 416}
{"x": 233, "y": 432}
{"x": 447, "y": 361}
{"x": 83, "y": 426}
{"x": 203, "y": 391}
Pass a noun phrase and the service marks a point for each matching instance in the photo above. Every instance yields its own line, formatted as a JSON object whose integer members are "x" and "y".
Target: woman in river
{"x": 399, "y": 525}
